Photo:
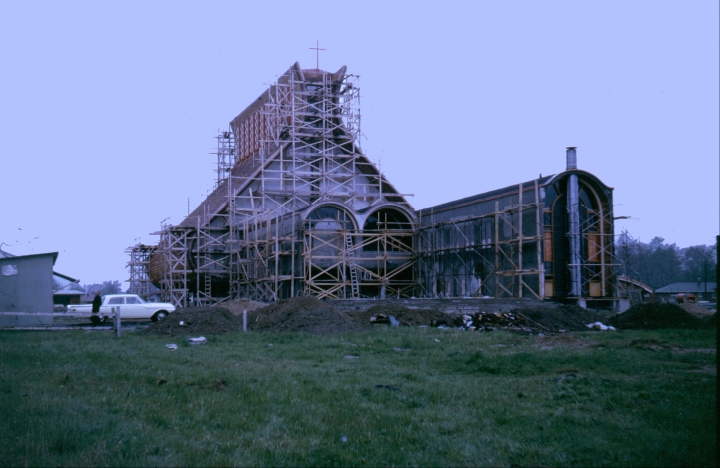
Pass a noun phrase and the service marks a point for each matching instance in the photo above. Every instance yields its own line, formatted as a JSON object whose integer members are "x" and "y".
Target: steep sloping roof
{"x": 248, "y": 168}
{"x": 217, "y": 200}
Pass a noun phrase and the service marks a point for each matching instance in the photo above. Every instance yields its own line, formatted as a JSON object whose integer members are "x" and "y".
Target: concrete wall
{"x": 26, "y": 283}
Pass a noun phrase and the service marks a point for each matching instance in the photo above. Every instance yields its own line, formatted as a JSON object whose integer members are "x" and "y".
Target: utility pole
{"x": 717, "y": 268}
{"x": 705, "y": 296}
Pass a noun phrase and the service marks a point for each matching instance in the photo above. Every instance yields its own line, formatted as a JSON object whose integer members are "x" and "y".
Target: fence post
{"x": 244, "y": 320}
{"x": 117, "y": 321}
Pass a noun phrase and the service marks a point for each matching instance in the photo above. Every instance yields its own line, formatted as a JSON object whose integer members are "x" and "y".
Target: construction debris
{"x": 308, "y": 314}
{"x": 483, "y": 321}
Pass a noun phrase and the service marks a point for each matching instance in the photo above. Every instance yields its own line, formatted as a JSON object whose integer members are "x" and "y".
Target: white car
{"x": 131, "y": 306}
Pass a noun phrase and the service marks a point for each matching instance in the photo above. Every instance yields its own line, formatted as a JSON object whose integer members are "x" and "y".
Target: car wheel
{"x": 159, "y": 316}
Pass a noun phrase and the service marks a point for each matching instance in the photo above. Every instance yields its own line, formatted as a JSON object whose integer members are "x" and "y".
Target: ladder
{"x": 207, "y": 292}
{"x": 355, "y": 286}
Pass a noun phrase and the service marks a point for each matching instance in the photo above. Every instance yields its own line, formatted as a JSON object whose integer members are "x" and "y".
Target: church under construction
{"x": 298, "y": 209}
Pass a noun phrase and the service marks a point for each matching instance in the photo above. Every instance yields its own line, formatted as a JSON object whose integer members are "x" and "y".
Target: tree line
{"x": 106, "y": 287}
{"x": 659, "y": 264}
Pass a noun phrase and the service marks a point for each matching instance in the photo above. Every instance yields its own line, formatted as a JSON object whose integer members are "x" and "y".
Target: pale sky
{"x": 108, "y": 109}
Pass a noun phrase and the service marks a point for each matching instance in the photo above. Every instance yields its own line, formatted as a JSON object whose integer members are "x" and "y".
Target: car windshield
{"x": 141, "y": 300}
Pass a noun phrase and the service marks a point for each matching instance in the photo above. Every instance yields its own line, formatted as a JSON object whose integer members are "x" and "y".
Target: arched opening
{"x": 327, "y": 230}
{"x": 595, "y": 239}
{"x": 386, "y": 220}
{"x": 330, "y": 218}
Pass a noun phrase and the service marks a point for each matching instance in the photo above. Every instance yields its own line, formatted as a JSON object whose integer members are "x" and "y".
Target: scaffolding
{"x": 298, "y": 209}
{"x": 289, "y": 167}
{"x": 139, "y": 280}
{"x": 226, "y": 155}
{"x": 494, "y": 254}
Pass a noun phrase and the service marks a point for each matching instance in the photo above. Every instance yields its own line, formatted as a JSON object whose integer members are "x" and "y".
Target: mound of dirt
{"x": 238, "y": 305}
{"x": 563, "y": 317}
{"x": 311, "y": 315}
{"x": 412, "y": 317}
{"x": 654, "y": 316}
{"x": 305, "y": 314}
{"x": 199, "y": 321}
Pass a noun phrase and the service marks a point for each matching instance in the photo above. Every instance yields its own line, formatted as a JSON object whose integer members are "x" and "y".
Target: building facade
{"x": 298, "y": 209}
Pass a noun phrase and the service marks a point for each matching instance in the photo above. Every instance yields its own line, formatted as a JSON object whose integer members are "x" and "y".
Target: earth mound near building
{"x": 303, "y": 314}
{"x": 198, "y": 321}
{"x": 655, "y": 316}
{"x": 311, "y": 315}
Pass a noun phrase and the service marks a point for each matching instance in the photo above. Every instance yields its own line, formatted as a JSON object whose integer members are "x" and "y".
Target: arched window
{"x": 330, "y": 218}
{"x": 386, "y": 219}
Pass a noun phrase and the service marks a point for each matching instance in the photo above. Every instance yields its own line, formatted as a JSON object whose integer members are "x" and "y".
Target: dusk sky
{"x": 108, "y": 110}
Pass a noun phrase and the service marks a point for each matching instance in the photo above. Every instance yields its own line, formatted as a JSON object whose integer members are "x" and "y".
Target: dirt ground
{"x": 310, "y": 315}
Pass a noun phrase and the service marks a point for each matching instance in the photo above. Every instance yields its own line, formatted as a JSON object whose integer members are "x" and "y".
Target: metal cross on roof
{"x": 317, "y": 50}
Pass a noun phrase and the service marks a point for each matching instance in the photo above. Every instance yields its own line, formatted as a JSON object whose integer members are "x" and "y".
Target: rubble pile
{"x": 560, "y": 318}
{"x": 484, "y": 321}
{"x": 404, "y": 315}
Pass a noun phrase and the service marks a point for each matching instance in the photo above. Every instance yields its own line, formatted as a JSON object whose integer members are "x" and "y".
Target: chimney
{"x": 571, "y": 158}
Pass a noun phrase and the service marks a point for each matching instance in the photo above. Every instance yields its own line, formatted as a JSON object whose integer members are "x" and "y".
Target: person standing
{"x": 97, "y": 302}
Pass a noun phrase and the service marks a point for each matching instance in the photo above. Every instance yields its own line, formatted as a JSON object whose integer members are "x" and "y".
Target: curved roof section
{"x": 587, "y": 174}
{"x": 498, "y": 193}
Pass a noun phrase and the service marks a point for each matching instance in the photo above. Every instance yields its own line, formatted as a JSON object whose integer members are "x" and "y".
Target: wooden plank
{"x": 84, "y": 327}
{"x": 113, "y": 314}
{"x": 60, "y": 314}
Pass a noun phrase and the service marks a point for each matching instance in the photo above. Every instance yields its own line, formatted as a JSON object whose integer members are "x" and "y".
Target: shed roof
{"x": 58, "y": 276}
{"x": 485, "y": 196}
{"x": 696, "y": 287}
{"x": 67, "y": 292}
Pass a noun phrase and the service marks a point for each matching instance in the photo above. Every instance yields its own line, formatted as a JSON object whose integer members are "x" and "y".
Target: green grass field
{"x": 395, "y": 396}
